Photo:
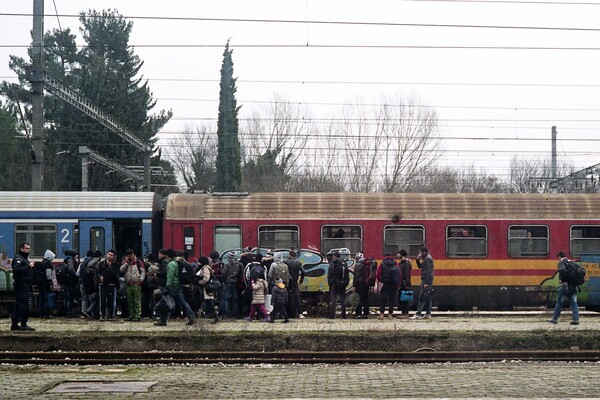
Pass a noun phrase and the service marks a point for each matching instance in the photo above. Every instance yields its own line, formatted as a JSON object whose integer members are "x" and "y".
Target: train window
{"x": 227, "y": 237}
{"x": 97, "y": 238}
{"x": 410, "y": 238}
{"x": 528, "y": 241}
{"x": 585, "y": 240}
{"x": 466, "y": 241}
{"x": 40, "y": 237}
{"x": 338, "y": 236}
{"x": 278, "y": 237}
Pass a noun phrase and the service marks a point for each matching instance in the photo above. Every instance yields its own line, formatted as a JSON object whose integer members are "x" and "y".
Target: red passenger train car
{"x": 491, "y": 251}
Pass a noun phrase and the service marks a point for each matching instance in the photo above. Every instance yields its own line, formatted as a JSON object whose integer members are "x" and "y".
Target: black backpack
{"x": 256, "y": 271}
{"x": 387, "y": 271}
{"x": 89, "y": 280}
{"x": 39, "y": 274}
{"x": 186, "y": 272}
{"x": 575, "y": 273}
{"x": 63, "y": 276}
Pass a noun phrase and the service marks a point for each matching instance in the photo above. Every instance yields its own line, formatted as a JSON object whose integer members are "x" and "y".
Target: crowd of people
{"x": 229, "y": 286}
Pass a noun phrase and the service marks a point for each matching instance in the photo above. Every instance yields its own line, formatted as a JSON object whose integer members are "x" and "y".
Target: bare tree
{"x": 411, "y": 142}
{"x": 534, "y": 175}
{"x": 194, "y": 158}
{"x": 274, "y": 143}
{"x": 363, "y": 141}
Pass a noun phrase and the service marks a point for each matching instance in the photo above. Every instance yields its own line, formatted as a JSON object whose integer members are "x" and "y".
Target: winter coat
{"x": 109, "y": 273}
{"x": 134, "y": 272}
{"x": 231, "y": 272}
{"x": 22, "y": 272}
{"x": 172, "y": 275}
{"x": 388, "y": 272}
{"x": 204, "y": 276}
{"x": 296, "y": 270}
{"x": 152, "y": 276}
{"x": 426, "y": 266}
{"x": 405, "y": 269}
{"x": 279, "y": 294}
{"x": 259, "y": 290}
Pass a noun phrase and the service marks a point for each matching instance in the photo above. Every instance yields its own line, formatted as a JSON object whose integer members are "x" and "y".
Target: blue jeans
{"x": 67, "y": 291}
{"x": 230, "y": 300}
{"x": 565, "y": 293}
{"x": 177, "y": 294}
{"x": 425, "y": 300}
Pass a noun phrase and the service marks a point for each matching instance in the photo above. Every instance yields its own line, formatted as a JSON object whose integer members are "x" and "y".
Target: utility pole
{"x": 35, "y": 75}
{"x": 553, "y": 184}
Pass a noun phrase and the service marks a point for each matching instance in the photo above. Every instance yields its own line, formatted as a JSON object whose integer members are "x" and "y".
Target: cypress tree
{"x": 229, "y": 153}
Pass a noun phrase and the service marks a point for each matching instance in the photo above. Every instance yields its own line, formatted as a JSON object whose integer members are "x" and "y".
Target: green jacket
{"x": 173, "y": 274}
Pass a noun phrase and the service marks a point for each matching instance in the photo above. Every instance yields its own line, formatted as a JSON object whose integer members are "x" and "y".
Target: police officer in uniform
{"x": 23, "y": 278}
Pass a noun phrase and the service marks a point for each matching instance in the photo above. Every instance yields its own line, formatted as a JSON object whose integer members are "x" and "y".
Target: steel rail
{"x": 108, "y": 358}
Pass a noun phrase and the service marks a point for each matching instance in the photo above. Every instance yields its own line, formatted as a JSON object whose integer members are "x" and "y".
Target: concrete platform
{"x": 444, "y": 332}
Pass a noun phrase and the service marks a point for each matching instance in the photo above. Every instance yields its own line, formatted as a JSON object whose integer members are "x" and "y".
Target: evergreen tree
{"x": 105, "y": 71}
{"x": 15, "y": 162}
{"x": 229, "y": 155}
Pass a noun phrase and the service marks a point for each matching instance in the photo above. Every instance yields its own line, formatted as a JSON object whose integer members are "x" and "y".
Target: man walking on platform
{"x": 566, "y": 290}
{"x": 425, "y": 264}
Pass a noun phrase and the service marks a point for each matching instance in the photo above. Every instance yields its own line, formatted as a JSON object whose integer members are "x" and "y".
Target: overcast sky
{"x": 497, "y": 89}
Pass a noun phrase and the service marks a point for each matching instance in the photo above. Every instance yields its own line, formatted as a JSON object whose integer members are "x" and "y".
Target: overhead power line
{"x": 342, "y": 46}
{"x": 325, "y": 22}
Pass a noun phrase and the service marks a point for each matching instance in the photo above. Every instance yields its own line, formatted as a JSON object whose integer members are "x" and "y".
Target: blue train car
{"x": 84, "y": 221}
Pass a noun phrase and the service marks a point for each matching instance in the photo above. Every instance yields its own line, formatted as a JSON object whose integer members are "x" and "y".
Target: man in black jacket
{"x": 296, "y": 271}
{"x": 108, "y": 270}
{"x": 23, "y": 278}
{"x": 425, "y": 264}
{"x": 337, "y": 278}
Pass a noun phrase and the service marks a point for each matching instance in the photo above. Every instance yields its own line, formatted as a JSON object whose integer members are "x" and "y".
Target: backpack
{"x": 63, "y": 275}
{"x": 387, "y": 273}
{"x": 342, "y": 273}
{"x": 280, "y": 271}
{"x": 89, "y": 280}
{"x": 39, "y": 275}
{"x": 575, "y": 273}
{"x": 256, "y": 271}
{"x": 186, "y": 272}
{"x": 372, "y": 264}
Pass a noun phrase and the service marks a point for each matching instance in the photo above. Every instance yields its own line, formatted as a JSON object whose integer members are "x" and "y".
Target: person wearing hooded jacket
{"x": 23, "y": 278}
{"x": 204, "y": 275}
{"x": 362, "y": 273}
{"x": 230, "y": 302}
{"x": 388, "y": 274}
{"x": 279, "y": 299}
{"x": 92, "y": 272}
{"x": 68, "y": 288}
{"x": 42, "y": 279}
{"x": 337, "y": 279}
{"x": 278, "y": 270}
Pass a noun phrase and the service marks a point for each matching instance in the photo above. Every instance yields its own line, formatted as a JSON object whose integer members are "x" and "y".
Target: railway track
{"x": 426, "y": 356}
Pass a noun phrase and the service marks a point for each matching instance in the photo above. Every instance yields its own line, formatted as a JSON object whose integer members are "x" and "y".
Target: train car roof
{"x": 79, "y": 204}
{"x": 390, "y": 206}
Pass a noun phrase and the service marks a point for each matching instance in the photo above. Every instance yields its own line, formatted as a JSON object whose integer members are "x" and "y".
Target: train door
{"x": 95, "y": 235}
{"x": 187, "y": 237}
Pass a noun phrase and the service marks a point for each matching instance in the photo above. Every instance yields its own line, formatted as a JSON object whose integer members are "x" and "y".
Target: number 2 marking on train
{"x": 65, "y": 238}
